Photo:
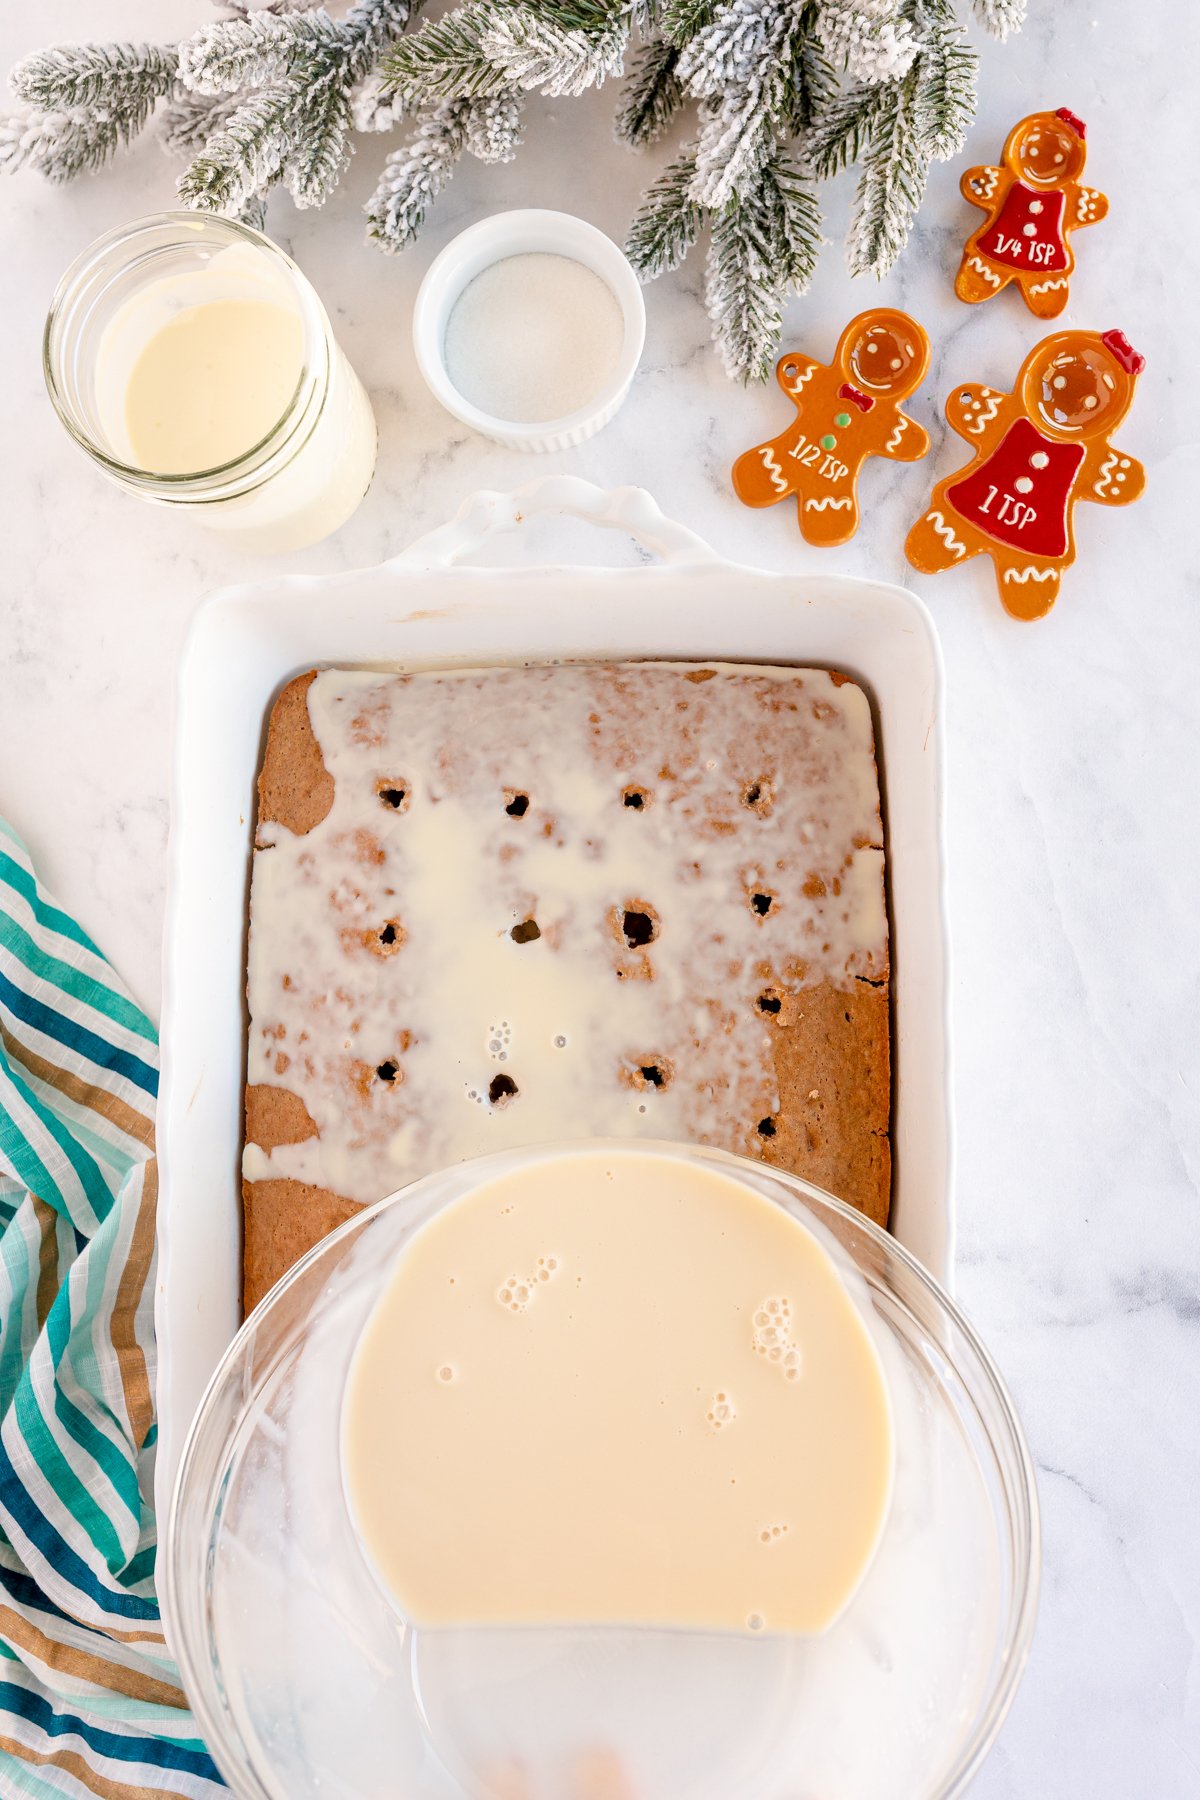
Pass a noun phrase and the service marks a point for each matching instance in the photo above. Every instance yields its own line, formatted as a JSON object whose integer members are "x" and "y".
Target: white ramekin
{"x": 519, "y": 234}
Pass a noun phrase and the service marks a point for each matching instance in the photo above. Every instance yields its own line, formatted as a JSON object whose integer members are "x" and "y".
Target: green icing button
{"x": 828, "y": 442}
{"x": 842, "y": 419}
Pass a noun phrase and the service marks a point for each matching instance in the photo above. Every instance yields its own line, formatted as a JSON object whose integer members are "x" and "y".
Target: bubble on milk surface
{"x": 721, "y": 1411}
{"x": 773, "y": 1340}
{"x": 516, "y": 1292}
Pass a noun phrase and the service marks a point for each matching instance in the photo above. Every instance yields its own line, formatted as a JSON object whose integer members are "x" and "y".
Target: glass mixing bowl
{"x": 306, "y": 1681}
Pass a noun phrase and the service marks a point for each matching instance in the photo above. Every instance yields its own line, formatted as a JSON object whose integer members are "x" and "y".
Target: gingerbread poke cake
{"x": 500, "y": 906}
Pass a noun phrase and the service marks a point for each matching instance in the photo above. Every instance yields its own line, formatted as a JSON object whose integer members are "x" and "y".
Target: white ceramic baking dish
{"x": 420, "y": 611}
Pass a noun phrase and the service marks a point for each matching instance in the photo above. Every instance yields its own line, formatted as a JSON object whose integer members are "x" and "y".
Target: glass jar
{"x": 295, "y": 485}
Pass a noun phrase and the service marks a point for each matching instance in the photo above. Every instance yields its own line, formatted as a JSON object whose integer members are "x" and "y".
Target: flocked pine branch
{"x": 535, "y": 51}
{"x": 652, "y": 96}
{"x": 783, "y": 94}
{"x": 1000, "y": 16}
{"x": 60, "y": 146}
{"x": 376, "y": 106}
{"x": 90, "y": 75}
{"x": 297, "y": 72}
{"x": 243, "y": 158}
{"x": 262, "y": 47}
{"x": 759, "y": 250}
{"x": 668, "y": 222}
{"x": 445, "y": 59}
{"x": 891, "y": 185}
{"x": 837, "y": 139}
{"x": 414, "y": 176}
{"x": 493, "y": 133}
{"x": 188, "y": 119}
{"x": 83, "y": 101}
{"x": 946, "y": 74}
{"x": 872, "y": 40}
{"x": 741, "y": 65}
{"x": 811, "y": 86}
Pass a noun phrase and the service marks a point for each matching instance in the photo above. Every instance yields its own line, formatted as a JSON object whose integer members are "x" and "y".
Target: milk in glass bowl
{"x": 319, "y": 1591}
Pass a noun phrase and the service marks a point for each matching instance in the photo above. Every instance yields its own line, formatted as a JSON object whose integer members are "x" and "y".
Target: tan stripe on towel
{"x": 97, "y": 1099}
{"x": 80, "y": 1665}
{"x": 47, "y": 1284}
{"x": 71, "y": 1763}
{"x": 131, "y": 1358}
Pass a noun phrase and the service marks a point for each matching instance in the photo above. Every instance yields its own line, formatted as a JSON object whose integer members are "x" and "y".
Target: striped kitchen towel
{"x": 89, "y": 1698}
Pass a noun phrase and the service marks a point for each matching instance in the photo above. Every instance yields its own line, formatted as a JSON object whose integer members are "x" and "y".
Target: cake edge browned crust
{"x": 283, "y": 1219}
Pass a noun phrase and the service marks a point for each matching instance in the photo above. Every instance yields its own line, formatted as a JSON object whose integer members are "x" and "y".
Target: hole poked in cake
{"x": 648, "y": 1073}
{"x": 394, "y": 794}
{"x": 766, "y": 1127}
{"x": 388, "y": 1071}
{"x": 502, "y": 1089}
{"x": 769, "y": 1003}
{"x": 639, "y": 924}
{"x": 762, "y": 901}
{"x": 516, "y": 803}
{"x": 527, "y": 932}
{"x": 758, "y": 796}
{"x": 388, "y": 939}
{"x": 637, "y": 799}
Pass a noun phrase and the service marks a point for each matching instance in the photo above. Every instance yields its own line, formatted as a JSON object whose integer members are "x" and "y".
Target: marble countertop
{"x": 1074, "y": 861}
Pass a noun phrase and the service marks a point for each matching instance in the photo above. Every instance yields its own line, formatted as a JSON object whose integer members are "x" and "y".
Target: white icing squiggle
{"x": 981, "y": 268}
{"x": 802, "y": 376}
{"x": 387, "y": 990}
{"x": 983, "y": 410}
{"x": 1030, "y": 573}
{"x": 945, "y": 532}
{"x": 778, "y": 480}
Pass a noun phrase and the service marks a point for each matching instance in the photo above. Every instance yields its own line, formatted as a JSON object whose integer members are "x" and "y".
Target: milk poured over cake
{"x": 500, "y": 906}
{"x": 545, "y": 1424}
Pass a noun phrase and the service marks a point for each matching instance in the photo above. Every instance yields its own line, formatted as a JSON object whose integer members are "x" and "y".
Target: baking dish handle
{"x": 488, "y": 513}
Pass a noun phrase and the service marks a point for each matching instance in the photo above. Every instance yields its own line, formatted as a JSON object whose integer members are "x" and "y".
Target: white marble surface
{"x": 1075, "y": 874}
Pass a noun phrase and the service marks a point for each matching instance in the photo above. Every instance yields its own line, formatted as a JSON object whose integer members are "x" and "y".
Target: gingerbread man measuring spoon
{"x": 1037, "y": 451}
{"x": 1033, "y": 203}
{"x": 845, "y": 413}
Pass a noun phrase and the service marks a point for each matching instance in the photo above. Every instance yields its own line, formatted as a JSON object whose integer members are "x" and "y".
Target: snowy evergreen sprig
{"x": 652, "y": 96}
{"x": 1000, "y": 16}
{"x": 783, "y": 94}
{"x": 82, "y": 102}
{"x": 884, "y": 85}
{"x": 536, "y": 52}
{"x": 668, "y": 222}
{"x": 873, "y": 40}
{"x": 758, "y": 250}
{"x": 296, "y": 73}
{"x": 414, "y": 176}
{"x": 548, "y": 46}
{"x": 487, "y": 125}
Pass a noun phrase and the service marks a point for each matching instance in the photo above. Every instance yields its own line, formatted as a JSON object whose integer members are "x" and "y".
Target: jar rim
{"x": 255, "y": 465}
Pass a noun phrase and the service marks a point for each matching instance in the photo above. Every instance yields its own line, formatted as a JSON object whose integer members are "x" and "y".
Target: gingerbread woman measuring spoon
{"x": 1033, "y": 203}
{"x": 845, "y": 413}
{"x": 1037, "y": 451}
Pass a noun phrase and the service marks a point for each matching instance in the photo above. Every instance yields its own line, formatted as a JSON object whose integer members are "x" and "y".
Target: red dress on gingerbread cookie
{"x": 1033, "y": 202}
{"x": 844, "y": 414}
{"x": 1038, "y": 451}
